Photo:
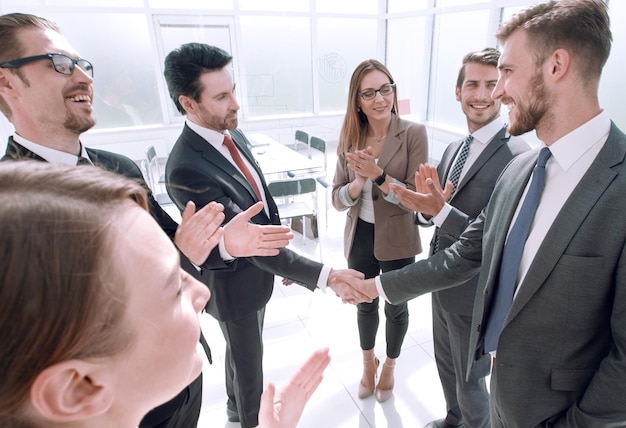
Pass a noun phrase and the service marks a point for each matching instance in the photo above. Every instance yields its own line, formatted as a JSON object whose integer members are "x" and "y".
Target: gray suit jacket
{"x": 472, "y": 195}
{"x": 561, "y": 358}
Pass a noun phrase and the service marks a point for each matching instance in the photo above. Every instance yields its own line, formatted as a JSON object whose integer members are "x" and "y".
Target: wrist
{"x": 381, "y": 178}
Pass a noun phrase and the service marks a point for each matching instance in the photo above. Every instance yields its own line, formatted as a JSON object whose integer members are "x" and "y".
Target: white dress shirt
{"x": 572, "y": 155}
{"x": 49, "y": 154}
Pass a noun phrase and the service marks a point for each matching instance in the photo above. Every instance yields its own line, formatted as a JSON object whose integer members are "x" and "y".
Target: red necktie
{"x": 234, "y": 153}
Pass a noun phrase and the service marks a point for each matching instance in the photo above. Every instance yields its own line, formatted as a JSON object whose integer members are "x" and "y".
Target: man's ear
{"x": 559, "y": 63}
{"x": 6, "y": 83}
{"x": 187, "y": 103}
{"x": 457, "y": 93}
{"x": 72, "y": 390}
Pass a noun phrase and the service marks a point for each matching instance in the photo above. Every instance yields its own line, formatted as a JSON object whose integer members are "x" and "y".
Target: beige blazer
{"x": 396, "y": 236}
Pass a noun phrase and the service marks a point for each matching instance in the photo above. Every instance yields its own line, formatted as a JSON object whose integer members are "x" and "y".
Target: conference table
{"x": 276, "y": 159}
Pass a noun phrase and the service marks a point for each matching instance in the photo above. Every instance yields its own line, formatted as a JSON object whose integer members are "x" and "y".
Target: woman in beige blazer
{"x": 377, "y": 148}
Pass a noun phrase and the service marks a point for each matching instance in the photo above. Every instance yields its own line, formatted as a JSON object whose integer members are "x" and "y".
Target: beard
{"x": 528, "y": 115}
{"x": 77, "y": 124}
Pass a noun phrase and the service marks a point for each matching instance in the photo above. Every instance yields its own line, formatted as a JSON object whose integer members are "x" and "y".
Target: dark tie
{"x": 457, "y": 168}
{"x": 83, "y": 161}
{"x": 455, "y": 173}
{"x": 234, "y": 153}
{"x": 512, "y": 254}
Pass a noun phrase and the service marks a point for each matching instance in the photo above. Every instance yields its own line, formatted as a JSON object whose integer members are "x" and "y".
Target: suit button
{"x": 374, "y": 197}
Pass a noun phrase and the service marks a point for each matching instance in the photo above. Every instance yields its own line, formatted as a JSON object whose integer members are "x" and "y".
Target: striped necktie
{"x": 457, "y": 168}
{"x": 455, "y": 174}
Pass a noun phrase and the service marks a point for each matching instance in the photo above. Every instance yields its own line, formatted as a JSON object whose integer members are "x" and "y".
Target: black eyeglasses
{"x": 370, "y": 94}
{"x": 62, "y": 63}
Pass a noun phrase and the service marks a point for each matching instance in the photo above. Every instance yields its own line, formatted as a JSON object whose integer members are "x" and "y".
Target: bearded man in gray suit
{"x": 473, "y": 164}
{"x": 561, "y": 351}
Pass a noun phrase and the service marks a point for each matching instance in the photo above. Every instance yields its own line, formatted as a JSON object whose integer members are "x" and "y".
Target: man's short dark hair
{"x": 185, "y": 65}
{"x": 487, "y": 56}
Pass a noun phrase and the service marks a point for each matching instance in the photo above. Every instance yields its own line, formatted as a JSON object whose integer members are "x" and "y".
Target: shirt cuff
{"x": 442, "y": 215}
{"x": 391, "y": 197}
{"x": 322, "y": 280}
{"x": 422, "y": 220}
{"x": 344, "y": 197}
{"x": 223, "y": 253}
{"x": 379, "y": 288}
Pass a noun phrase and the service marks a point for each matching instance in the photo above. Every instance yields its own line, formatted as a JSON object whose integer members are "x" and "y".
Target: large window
{"x": 342, "y": 44}
{"x": 612, "y": 83}
{"x": 292, "y": 58}
{"x": 125, "y": 78}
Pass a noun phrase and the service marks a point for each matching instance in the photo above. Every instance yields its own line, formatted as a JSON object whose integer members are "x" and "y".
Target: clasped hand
{"x": 363, "y": 163}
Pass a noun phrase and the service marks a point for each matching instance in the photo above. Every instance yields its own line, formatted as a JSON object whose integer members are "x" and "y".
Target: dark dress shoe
{"x": 441, "y": 423}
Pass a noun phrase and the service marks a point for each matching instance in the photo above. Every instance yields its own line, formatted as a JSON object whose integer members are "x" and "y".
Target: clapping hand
{"x": 363, "y": 163}
{"x": 428, "y": 197}
{"x": 282, "y": 407}
{"x": 245, "y": 239}
{"x": 199, "y": 232}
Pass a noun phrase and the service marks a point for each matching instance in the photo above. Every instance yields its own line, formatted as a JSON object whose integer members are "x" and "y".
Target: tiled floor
{"x": 298, "y": 321}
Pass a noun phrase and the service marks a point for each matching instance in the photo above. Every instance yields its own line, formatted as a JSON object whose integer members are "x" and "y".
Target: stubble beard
{"x": 528, "y": 116}
{"x": 78, "y": 125}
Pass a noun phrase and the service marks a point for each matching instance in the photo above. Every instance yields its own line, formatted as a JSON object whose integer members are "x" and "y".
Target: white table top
{"x": 275, "y": 158}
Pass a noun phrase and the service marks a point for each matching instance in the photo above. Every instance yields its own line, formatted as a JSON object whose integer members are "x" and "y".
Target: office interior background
{"x": 292, "y": 60}
{"x": 292, "y": 65}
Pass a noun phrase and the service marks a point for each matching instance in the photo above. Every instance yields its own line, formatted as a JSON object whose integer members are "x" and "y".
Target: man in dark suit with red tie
{"x": 211, "y": 162}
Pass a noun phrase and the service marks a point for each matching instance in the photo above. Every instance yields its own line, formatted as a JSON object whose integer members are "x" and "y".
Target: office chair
{"x": 286, "y": 193}
{"x": 156, "y": 179}
{"x": 317, "y": 149}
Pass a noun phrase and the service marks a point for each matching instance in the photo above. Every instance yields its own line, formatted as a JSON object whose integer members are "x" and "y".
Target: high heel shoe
{"x": 383, "y": 395}
{"x": 365, "y": 391}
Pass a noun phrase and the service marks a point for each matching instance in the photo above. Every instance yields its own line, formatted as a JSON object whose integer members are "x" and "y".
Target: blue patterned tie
{"x": 512, "y": 254}
{"x": 455, "y": 174}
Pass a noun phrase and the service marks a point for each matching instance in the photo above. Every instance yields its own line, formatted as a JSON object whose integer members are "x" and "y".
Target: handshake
{"x": 351, "y": 286}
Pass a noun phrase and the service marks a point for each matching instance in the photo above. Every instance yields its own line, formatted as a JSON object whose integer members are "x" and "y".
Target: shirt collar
{"x": 487, "y": 132}
{"x": 213, "y": 137}
{"x": 571, "y": 147}
{"x": 49, "y": 154}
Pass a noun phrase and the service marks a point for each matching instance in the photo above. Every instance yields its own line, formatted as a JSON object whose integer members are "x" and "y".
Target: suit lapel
{"x": 392, "y": 145}
{"x": 16, "y": 151}
{"x": 446, "y": 161}
{"x": 570, "y": 218}
{"x": 500, "y": 139}
{"x": 212, "y": 155}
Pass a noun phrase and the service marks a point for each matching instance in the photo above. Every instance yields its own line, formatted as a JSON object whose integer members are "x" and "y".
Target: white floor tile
{"x": 297, "y": 321}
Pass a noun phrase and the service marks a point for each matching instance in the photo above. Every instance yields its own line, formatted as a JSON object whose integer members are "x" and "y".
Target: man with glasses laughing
{"x": 46, "y": 93}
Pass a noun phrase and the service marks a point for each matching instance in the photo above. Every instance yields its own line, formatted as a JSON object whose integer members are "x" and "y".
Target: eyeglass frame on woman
{"x": 370, "y": 94}
{"x": 87, "y": 68}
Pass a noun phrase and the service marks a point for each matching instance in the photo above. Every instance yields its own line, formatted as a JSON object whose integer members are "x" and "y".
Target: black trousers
{"x": 362, "y": 259}
{"x": 182, "y": 411}
{"x": 244, "y": 366}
